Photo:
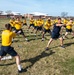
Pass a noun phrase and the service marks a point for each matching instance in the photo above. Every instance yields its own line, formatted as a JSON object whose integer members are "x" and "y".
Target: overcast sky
{"x": 51, "y": 7}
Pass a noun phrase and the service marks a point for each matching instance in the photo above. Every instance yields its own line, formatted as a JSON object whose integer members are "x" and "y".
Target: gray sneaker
{"x": 62, "y": 46}
{"x": 43, "y": 39}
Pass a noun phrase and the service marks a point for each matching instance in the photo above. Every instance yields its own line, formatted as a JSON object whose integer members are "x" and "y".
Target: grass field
{"x": 35, "y": 59}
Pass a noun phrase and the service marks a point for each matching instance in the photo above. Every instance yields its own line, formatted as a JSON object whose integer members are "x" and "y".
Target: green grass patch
{"x": 35, "y": 59}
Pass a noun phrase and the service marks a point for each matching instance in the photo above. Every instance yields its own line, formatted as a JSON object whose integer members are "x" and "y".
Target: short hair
{"x": 7, "y": 26}
{"x": 49, "y": 20}
{"x": 59, "y": 18}
{"x": 71, "y": 19}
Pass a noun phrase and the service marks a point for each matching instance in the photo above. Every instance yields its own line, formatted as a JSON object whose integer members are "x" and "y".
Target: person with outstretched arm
{"x": 55, "y": 34}
{"x": 6, "y": 48}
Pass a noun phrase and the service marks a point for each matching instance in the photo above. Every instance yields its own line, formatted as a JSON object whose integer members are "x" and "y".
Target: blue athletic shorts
{"x": 7, "y": 50}
{"x": 55, "y": 36}
{"x": 68, "y": 30}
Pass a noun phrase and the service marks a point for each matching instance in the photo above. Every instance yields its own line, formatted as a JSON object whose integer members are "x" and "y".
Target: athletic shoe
{"x": 65, "y": 37}
{"x": 26, "y": 39}
{"x": 46, "y": 48}
{"x": 62, "y": 46}
{"x": 43, "y": 39}
{"x": 6, "y": 57}
{"x": 22, "y": 70}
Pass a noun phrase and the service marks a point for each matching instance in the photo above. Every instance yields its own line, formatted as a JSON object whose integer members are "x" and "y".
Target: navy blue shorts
{"x": 21, "y": 31}
{"x": 68, "y": 30}
{"x": 39, "y": 28}
{"x": 55, "y": 36}
{"x": 35, "y": 27}
{"x": 7, "y": 50}
{"x": 32, "y": 25}
{"x": 25, "y": 24}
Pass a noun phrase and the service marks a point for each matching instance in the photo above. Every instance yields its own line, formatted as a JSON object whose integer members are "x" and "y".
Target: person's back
{"x": 6, "y": 48}
{"x": 7, "y": 36}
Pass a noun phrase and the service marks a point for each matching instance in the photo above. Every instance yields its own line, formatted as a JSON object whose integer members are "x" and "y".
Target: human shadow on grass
{"x": 32, "y": 60}
{"x": 37, "y": 58}
{"x": 36, "y": 38}
{"x": 65, "y": 45}
{"x": 68, "y": 44}
{"x": 19, "y": 40}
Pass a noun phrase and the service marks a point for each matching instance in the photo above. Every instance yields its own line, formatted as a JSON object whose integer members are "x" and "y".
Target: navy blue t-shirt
{"x": 56, "y": 31}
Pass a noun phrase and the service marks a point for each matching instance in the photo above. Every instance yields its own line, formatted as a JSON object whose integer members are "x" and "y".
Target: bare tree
{"x": 8, "y": 11}
{"x": 64, "y": 14}
{"x": 1, "y": 12}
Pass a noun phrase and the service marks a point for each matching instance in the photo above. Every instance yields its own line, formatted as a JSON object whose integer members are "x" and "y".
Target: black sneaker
{"x": 46, "y": 48}
{"x": 62, "y": 46}
{"x": 20, "y": 71}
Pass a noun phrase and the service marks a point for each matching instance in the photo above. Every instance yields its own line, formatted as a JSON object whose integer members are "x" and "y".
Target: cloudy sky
{"x": 51, "y": 7}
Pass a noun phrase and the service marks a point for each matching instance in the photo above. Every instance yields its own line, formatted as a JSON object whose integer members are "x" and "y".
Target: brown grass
{"x": 35, "y": 59}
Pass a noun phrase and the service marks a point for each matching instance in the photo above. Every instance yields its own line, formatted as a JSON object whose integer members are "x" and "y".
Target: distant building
{"x": 9, "y": 14}
{"x": 35, "y": 15}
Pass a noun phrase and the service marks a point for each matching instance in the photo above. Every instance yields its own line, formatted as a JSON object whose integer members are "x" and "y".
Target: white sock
{"x": 26, "y": 39}
{"x": 19, "y": 67}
